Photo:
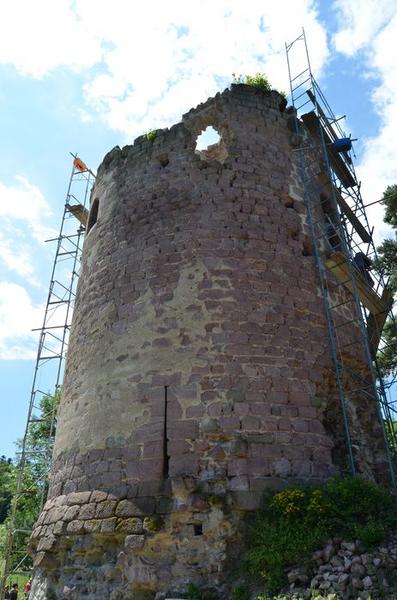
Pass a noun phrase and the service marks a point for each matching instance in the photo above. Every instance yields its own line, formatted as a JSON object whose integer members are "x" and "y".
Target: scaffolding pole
{"x": 50, "y": 362}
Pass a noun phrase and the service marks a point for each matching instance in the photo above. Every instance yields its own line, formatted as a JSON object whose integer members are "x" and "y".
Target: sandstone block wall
{"x": 199, "y": 370}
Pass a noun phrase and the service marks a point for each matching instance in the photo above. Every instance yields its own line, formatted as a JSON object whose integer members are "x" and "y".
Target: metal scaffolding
{"x": 49, "y": 367}
{"x": 343, "y": 246}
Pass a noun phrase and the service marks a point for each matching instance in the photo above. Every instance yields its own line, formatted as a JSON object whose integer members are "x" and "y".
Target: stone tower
{"x": 199, "y": 371}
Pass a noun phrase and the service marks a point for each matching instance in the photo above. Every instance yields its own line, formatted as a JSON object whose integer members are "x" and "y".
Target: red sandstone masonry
{"x": 194, "y": 287}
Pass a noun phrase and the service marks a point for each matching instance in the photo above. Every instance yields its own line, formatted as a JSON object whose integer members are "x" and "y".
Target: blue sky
{"x": 83, "y": 76}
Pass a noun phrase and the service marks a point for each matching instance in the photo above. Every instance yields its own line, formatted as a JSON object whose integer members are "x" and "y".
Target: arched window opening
{"x": 93, "y": 216}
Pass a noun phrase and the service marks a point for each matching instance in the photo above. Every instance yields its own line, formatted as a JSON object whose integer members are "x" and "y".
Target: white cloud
{"x": 23, "y": 228}
{"x": 24, "y": 203}
{"x": 39, "y": 36}
{"x": 18, "y": 315}
{"x": 371, "y": 27}
{"x": 24, "y": 212}
{"x": 17, "y": 259}
{"x": 360, "y": 22}
{"x": 157, "y": 59}
{"x": 182, "y": 52}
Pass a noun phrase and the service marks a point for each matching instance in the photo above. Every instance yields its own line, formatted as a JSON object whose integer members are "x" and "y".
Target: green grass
{"x": 20, "y": 578}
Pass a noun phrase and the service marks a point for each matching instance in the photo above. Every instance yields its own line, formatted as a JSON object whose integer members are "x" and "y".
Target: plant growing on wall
{"x": 150, "y": 136}
{"x": 258, "y": 81}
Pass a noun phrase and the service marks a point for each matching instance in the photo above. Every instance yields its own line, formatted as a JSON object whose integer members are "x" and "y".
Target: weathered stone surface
{"x": 134, "y": 542}
{"x": 105, "y": 509}
{"x": 126, "y": 508}
{"x": 131, "y": 525}
{"x": 75, "y": 527}
{"x": 46, "y": 544}
{"x": 328, "y": 552}
{"x": 357, "y": 577}
{"x": 108, "y": 525}
{"x": 78, "y": 498}
{"x": 59, "y": 528}
{"x": 92, "y": 526}
{"x": 199, "y": 370}
{"x": 357, "y": 570}
{"x": 98, "y": 496}
{"x": 87, "y": 511}
{"x": 71, "y": 512}
{"x": 367, "y": 582}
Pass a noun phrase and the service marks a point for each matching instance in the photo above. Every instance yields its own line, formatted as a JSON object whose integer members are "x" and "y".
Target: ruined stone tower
{"x": 199, "y": 370}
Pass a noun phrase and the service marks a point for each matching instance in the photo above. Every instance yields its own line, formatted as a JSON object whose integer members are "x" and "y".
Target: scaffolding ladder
{"x": 343, "y": 248}
{"x": 49, "y": 365}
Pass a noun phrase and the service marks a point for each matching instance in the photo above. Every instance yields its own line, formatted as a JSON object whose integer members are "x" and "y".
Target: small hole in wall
{"x": 289, "y": 203}
{"x": 198, "y": 529}
{"x": 293, "y": 232}
{"x": 163, "y": 159}
{"x": 210, "y": 145}
{"x": 307, "y": 248}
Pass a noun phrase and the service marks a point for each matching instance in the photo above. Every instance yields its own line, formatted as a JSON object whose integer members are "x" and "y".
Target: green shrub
{"x": 150, "y": 136}
{"x": 240, "y": 593}
{"x": 371, "y": 533}
{"x": 293, "y": 523}
{"x": 193, "y": 592}
{"x": 258, "y": 81}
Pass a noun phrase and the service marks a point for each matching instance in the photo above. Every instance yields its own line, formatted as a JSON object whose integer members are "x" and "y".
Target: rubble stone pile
{"x": 347, "y": 569}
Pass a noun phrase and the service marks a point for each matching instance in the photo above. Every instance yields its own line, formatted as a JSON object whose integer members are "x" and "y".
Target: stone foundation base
{"x": 106, "y": 548}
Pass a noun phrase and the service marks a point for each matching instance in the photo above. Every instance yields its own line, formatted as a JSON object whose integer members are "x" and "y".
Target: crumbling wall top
{"x": 214, "y": 111}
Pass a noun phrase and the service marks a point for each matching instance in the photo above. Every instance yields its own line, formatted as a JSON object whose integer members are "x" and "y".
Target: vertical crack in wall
{"x": 166, "y": 458}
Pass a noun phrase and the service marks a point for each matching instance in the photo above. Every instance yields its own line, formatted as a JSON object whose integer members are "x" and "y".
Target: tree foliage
{"x": 388, "y": 354}
{"x": 386, "y": 265}
{"x": 7, "y": 479}
{"x": 32, "y": 474}
{"x": 390, "y": 201}
{"x": 386, "y": 262}
{"x": 42, "y": 432}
